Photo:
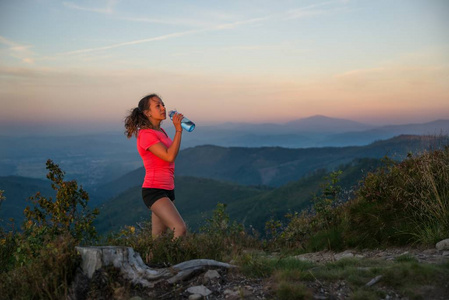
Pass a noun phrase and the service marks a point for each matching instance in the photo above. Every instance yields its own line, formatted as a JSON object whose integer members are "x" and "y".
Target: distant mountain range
{"x": 316, "y": 131}
{"x": 96, "y": 159}
{"x": 325, "y": 124}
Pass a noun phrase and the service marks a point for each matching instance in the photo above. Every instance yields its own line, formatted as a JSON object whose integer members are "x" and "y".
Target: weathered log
{"x": 134, "y": 269}
{"x": 374, "y": 280}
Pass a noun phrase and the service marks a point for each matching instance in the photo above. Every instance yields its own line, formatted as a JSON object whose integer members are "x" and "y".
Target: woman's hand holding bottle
{"x": 186, "y": 124}
{"x": 176, "y": 118}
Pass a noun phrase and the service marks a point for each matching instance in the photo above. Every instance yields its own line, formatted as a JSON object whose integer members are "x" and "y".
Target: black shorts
{"x": 151, "y": 195}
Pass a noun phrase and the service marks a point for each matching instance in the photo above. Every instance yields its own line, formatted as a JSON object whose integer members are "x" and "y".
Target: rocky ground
{"x": 229, "y": 284}
{"x": 232, "y": 286}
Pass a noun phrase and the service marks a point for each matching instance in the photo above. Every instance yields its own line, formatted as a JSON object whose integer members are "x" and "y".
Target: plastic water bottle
{"x": 186, "y": 124}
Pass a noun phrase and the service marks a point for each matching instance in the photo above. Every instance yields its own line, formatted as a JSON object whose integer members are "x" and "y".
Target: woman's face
{"x": 156, "y": 109}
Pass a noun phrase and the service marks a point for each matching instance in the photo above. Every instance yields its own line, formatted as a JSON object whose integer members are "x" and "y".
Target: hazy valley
{"x": 96, "y": 159}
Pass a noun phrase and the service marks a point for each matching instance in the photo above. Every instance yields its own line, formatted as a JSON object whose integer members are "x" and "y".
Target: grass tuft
{"x": 293, "y": 291}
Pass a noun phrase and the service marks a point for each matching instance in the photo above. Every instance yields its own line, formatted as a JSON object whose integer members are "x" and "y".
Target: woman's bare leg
{"x": 167, "y": 216}
{"x": 157, "y": 227}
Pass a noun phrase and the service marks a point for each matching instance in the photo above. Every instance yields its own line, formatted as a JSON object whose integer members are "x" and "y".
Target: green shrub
{"x": 324, "y": 206}
{"x": 294, "y": 235}
{"x": 8, "y": 246}
{"x": 218, "y": 239}
{"x": 39, "y": 262}
{"x": 45, "y": 277}
{"x": 330, "y": 239}
{"x": 67, "y": 213}
{"x": 315, "y": 229}
{"x": 402, "y": 203}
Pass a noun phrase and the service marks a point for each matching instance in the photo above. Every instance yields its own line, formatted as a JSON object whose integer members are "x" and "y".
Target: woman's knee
{"x": 180, "y": 229}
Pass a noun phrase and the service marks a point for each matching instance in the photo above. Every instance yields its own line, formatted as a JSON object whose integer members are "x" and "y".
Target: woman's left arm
{"x": 169, "y": 154}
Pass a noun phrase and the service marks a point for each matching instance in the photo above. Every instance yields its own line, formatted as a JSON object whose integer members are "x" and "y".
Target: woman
{"x": 158, "y": 153}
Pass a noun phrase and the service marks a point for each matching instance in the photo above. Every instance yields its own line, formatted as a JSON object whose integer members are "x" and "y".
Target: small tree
{"x": 327, "y": 201}
{"x": 67, "y": 213}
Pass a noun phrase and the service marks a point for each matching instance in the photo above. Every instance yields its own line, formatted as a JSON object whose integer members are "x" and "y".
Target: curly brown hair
{"x": 136, "y": 118}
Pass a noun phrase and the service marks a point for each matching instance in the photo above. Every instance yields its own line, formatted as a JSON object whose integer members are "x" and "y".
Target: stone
{"x": 245, "y": 292}
{"x": 136, "y": 298}
{"x": 429, "y": 251}
{"x": 212, "y": 274}
{"x": 445, "y": 253}
{"x": 345, "y": 254}
{"x": 303, "y": 257}
{"x": 443, "y": 245}
{"x": 230, "y": 293}
{"x": 200, "y": 289}
{"x": 195, "y": 297}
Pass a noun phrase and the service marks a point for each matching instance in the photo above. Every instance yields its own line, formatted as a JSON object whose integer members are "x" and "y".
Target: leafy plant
{"x": 403, "y": 202}
{"x": 68, "y": 212}
{"x": 327, "y": 201}
{"x": 39, "y": 262}
{"x": 316, "y": 228}
{"x": 218, "y": 240}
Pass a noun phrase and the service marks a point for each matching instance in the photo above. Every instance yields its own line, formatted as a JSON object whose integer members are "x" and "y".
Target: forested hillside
{"x": 271, "y": 166}
{"x": 196, "y": 198}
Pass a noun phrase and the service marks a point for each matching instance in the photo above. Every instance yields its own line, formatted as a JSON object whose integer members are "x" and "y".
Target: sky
{"x": 85, "y": 64}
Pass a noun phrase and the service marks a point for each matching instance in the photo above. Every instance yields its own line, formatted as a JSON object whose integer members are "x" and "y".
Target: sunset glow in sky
{"x": 71, "y": 62}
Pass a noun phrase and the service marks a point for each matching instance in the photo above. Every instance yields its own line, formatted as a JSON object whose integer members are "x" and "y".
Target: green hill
{"x": 196, "y": 198}
{"x": 296, "y": 196}
{"x": 275, "y": 166}
{"x": 271, "y": 166}
{"x": 17, "y": 191}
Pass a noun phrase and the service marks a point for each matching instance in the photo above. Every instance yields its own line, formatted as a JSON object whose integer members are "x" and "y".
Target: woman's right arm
{"x": 169, "y": 154}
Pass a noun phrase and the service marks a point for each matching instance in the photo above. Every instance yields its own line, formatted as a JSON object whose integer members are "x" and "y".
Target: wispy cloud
{"x": 169, "y": 36}
{"x": 18, "y": 51}
{"x": 11, "y": 44}
{"x": 317, "y": 9}
{"x": 284, "y": 47}
{"x": 359, "y": 72}
{"x": 107, "y": 9}
{"x": 243, "y": 22}
{"x": 168, "y": 21}
{"x": 290, "y": 14}
{"x": 136, "y": 42}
